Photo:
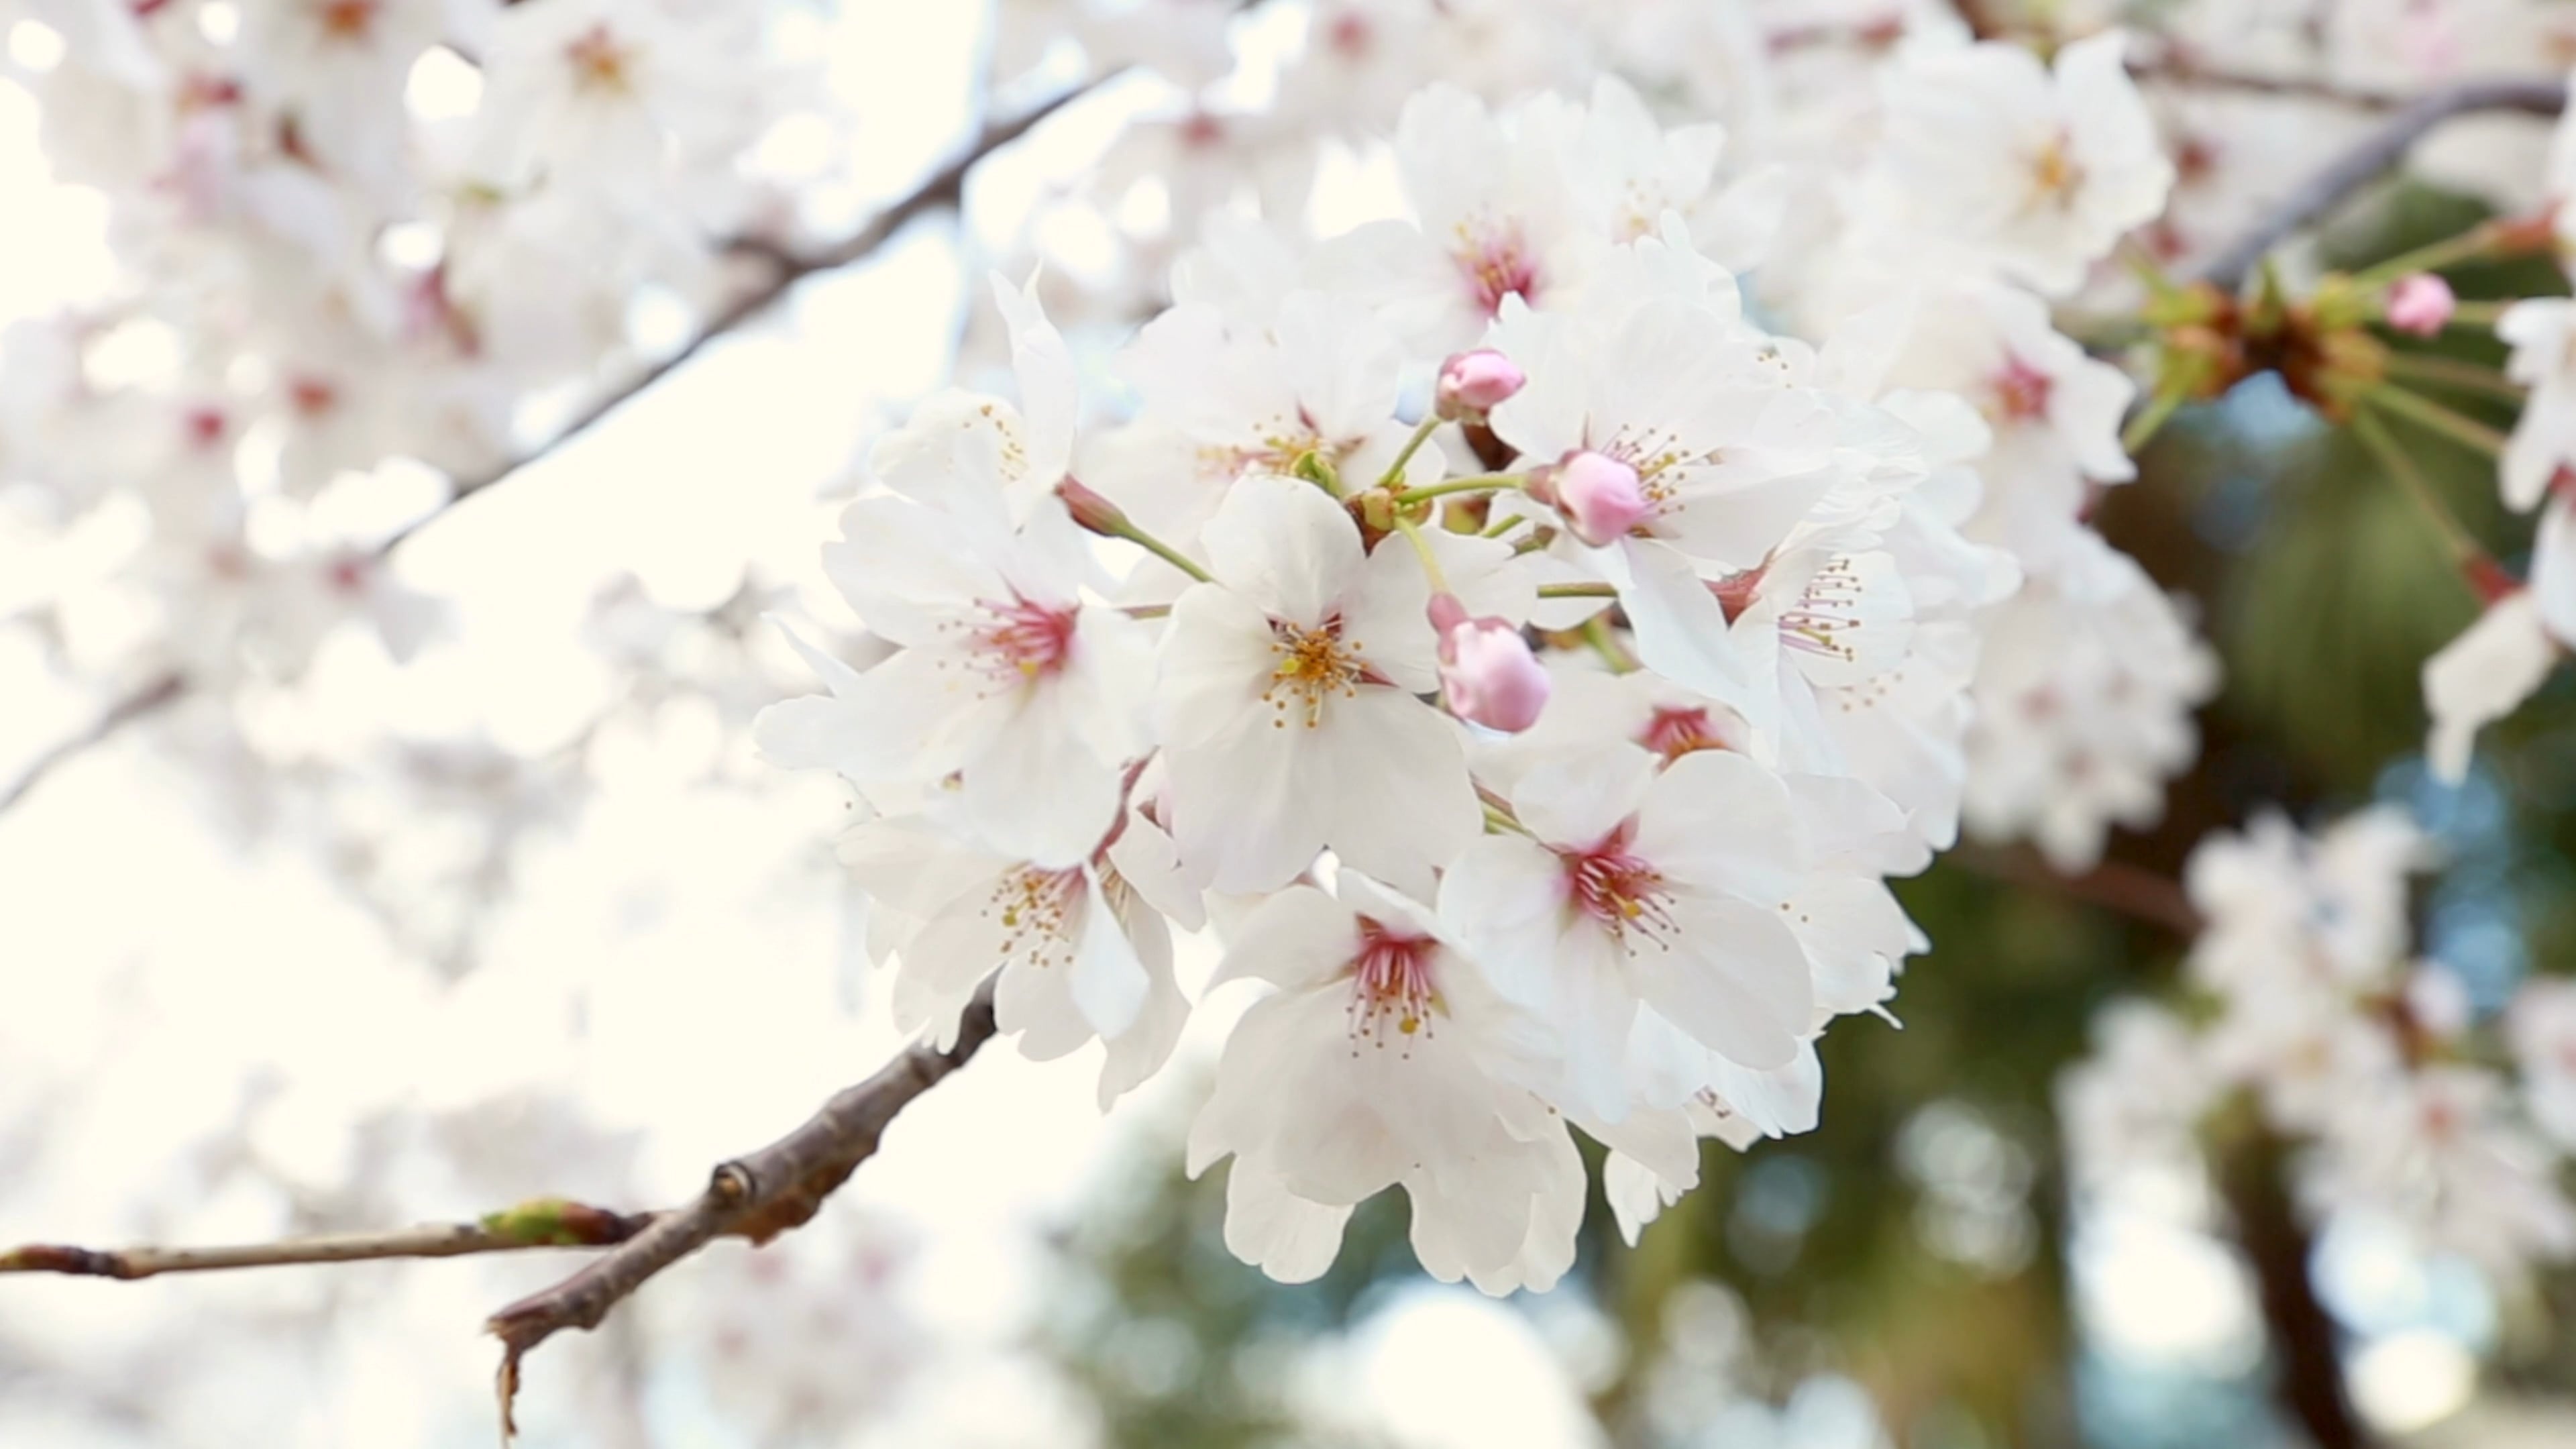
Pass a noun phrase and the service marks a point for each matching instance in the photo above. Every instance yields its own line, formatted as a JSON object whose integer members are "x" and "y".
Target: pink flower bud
{"x": 1601, "y": 497}
{"x": 1487, "y": 673}
{"x": 2421, "y": 304}
{"x": 1475, "y": 383}
{"x": 1090, "y": 510}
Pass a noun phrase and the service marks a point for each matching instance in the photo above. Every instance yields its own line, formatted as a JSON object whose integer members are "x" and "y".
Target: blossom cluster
{"x": 1528, "y": 662}
{"x": 2309, "y": 1002}
{"x": 347, "y": 233}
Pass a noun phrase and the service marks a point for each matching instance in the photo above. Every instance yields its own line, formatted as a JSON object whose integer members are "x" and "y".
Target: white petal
{"x": 1504, "y": 897}
{"x": 1680, "y": 626}
{"x": 1109, "y": 982}
{"x": 2482, "y": 676}
{"x": 1734, "y": 978}
{"x": 1717, "y": 821}
{"x": 1216, "y": 660}
{"x": 1395, "y": 777}
{"x": 1575, "y": 801}
{"x": 1285, "y": 1236}
{"x": 1286, "y": 547}
{"x": 1300, "y": 937}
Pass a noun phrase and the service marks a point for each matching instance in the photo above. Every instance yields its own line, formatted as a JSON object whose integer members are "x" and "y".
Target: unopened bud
{"x": 1601, "y": 497}
{"x": 2421, "y": 304}
{"x": 1473, "y": 384}
{"x": 1488, "y": 675}
{"x": 1091, "y": 510}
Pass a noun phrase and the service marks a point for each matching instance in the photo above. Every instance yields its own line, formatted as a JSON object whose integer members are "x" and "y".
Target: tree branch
{"x": 155, "y": 693}
{"x": 2191, "y": 74}
{"x": 544, "y": 1223}
{"x": 943, "y": 188}
{"x": 758, "y": 1196}
{"x": 2139, "y": 894}
{"x": 2372, "y": 157}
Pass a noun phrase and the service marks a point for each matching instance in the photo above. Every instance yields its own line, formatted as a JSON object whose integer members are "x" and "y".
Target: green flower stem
{"x": 2424, "y": 412}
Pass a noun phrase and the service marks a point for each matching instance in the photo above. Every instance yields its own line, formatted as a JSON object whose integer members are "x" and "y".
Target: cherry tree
{"x": 1507, "y": 528}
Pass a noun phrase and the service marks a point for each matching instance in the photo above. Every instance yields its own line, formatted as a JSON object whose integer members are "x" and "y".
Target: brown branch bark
{"x": 2373, "y": 156}
{"x": 2127, "y": 890}
{"x": 757, "y": 1196}
{"x": 2308, "y": 1366}
{"x": 942, "y": 189}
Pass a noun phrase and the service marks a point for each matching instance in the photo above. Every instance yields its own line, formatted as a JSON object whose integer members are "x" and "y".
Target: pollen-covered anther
{"x": 1035, "y": 907}
{"x": 1314, "y": 664}
{"x": 1392, "y": 985}
{"x": 1823, "y": 615}
{"x": 2055, "y": 176}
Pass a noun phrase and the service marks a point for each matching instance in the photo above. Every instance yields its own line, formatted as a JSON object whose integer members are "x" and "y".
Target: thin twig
{"x": 2188, "y": 74}
{"x": 943, "y": 188}
{"x": 547, "y": 1223}
{"x": 757, "y": 1196}
{"x": 2371, "y": 157}
{"x": 154, "y": 693}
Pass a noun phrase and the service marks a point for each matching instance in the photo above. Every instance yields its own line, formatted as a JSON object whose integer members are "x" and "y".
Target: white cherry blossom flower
{"x": 1287, "y": 706}
{"x": 1083, "y": 950}
{"x": 1409, "y": 1071}
{"x": 1637, "y": 892}
{"x": 1006, "y": 677}
{"x": 2037, "y": 171}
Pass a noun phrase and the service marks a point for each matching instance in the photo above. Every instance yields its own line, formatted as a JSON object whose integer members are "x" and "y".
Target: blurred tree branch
{"x": 2128, "y": 890}
{"x": 942, "y": 189}
{"x": 2309, "y": 1368}
{"x": 2373, "y": 156}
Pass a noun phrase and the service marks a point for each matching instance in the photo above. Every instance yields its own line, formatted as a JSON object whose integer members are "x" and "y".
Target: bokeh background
{"x": 526, "y": 915}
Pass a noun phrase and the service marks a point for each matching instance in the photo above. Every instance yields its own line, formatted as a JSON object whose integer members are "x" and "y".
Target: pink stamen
{"x": 1620, "y": 891}
{"x": 1391, "y": 982}
{"x": 1024, "y": 640}
{"x": 2022, "y": 391}
{"x": 1675, "y": 732}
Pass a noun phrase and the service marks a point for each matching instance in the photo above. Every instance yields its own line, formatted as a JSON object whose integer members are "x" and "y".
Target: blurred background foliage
{"x": 1919, "y": 1243}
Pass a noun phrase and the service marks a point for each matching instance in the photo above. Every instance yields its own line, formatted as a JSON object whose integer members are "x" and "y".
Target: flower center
{"x": 599, "y": 63}
{"x": 2022, "y": 391}
{"x": 348, "y": 19}
{"x": 1620, "y": 891}
{"x": 1826, "y": 613}
{"x": 2054, "y": 176}
{"x": 311, "y": 397}
{"x": 1674, "y": 732}
{"x": 1038, "y": 910}
{"x": 1495, "y": 262}
{"x": 1391, "y": 985}
{"x": 1023, "y": 641}
{"x": 1314, "y": 664}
